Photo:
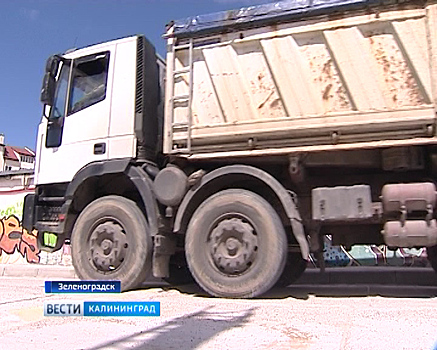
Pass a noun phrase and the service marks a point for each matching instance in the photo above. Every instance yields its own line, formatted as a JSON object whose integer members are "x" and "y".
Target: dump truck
{"x": 264, "y": 129}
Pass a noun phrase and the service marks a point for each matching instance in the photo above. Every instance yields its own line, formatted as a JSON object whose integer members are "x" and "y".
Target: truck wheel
{"x": 236, "y": 245}
{"x": 432, "y": 256}
{"x": 294, "y": 268}
{"x": 110, "y": 241}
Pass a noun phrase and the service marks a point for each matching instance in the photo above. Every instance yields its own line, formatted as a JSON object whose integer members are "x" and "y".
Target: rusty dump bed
{"x": 349, "y": 78}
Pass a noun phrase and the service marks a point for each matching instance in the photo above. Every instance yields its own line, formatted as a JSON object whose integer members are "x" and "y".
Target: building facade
{"x": 15, "y": 158}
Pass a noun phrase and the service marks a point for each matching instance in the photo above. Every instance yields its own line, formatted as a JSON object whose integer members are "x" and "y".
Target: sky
{"x": 32, "y": 30}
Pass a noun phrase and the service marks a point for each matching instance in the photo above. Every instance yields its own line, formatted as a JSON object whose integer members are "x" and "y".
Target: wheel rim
{"x": 233, "y": 244}
{"x": 108, "y": 246}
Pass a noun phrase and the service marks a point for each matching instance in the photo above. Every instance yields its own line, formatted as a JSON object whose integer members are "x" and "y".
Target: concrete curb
{"x": 37, "y": 271}
{"x": 365, "y": 275}
{"x": 370, "y": 275}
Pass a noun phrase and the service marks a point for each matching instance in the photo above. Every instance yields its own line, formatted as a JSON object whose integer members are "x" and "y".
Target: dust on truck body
{"x": 277, "y": 124}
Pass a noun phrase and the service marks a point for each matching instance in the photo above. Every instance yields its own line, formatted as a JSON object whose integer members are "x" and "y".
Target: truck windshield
{"x": 58, "y": 109}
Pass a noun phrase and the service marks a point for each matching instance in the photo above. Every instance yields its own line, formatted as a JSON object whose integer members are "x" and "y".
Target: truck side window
{"x": 89, "y": 83}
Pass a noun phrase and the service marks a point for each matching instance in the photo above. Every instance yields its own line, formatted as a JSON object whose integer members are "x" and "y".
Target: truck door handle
{"x": 99, "y": 148}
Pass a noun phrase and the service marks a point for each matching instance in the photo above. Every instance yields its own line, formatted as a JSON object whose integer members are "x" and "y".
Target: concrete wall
{"x": 17, "y": 246}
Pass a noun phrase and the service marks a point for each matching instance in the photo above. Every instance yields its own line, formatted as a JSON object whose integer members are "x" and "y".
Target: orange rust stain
{"x": 326, "y": 92}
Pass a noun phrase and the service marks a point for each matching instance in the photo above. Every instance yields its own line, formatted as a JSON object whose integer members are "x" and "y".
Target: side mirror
{"x": 48, "y": 89}
{"x": 52, "y": 65}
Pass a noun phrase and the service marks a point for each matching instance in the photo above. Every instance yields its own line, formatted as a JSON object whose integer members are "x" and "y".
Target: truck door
{"x": 76, "y": 130}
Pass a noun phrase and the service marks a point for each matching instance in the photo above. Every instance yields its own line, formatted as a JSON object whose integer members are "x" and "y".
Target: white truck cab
{"x": 93, "y": 113}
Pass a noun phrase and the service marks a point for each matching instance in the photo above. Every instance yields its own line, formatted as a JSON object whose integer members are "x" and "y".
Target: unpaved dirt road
{"x": 284, "y": 319}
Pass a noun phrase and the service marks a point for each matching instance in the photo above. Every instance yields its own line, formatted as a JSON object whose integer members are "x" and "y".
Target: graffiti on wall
{"x": 13, "y": 238}
{"x": 371, "y": 255}
{"x": 17, "y": 246}
{"x": 15, "y": 209}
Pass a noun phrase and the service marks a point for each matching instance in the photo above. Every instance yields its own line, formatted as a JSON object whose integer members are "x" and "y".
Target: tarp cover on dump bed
{"x": 269, "y": 13}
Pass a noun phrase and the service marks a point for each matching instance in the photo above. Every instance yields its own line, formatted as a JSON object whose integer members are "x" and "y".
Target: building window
{"x": 26, "y": 159}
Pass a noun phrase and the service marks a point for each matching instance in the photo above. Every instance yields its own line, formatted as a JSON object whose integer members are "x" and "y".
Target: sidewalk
{"x": 365, "y": 275}
{"x": 37, "y": 270}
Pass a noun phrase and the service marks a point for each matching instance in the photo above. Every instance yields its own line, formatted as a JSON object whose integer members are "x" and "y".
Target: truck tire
{"x": 294, "y": 268}
{"x": 111, "y": 241}
{"x": 432, "y": 256}
{"x": 236, "y": 245}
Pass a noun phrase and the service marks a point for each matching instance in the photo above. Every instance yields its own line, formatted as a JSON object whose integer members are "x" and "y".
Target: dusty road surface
{"x": 289, "y": 318}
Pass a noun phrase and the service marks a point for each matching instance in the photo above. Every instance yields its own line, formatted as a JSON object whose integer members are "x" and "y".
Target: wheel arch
{"x": 98, "y": 179}
{"x": 249, "y": 178}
